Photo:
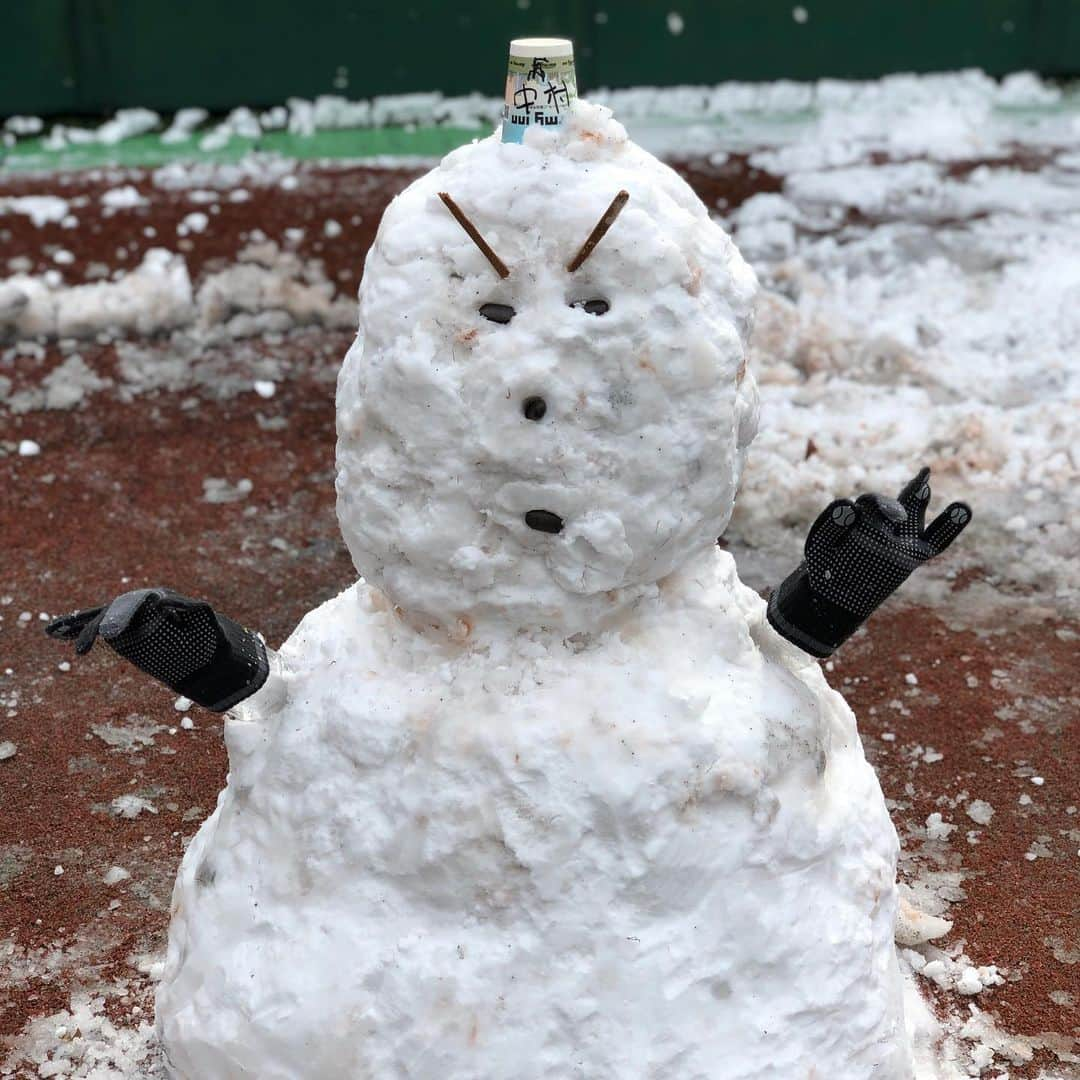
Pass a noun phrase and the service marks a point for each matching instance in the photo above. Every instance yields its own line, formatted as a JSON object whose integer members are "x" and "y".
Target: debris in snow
{"x": 137, "y": 734}
{"x": 115, "y": 874}
{"x": 980, "y": 811}
{"x": 131, "y": 806}
{"x": 219, "y": 490}
{"x": 955, "y": 972}
{"x": 937, "y": 829}
{"x": 82, "y": 1043}
{"x": 29, "y": 448}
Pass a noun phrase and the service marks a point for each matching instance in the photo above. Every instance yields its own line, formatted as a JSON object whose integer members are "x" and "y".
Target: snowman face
{"x": 542, "y": 448}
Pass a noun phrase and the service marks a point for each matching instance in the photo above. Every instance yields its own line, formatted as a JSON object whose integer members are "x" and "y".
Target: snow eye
{"x": 595, "y": 306}
{"x": 534, "y": 408}
{"x": 500, "y": 313}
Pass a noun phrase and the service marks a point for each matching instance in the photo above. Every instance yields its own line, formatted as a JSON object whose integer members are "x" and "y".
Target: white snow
{"x": 194, "y": 222}
{"x": 24, "y": 125}
{"x": 217, "y": 489}
{"x": 123, "y": 198}
{"x": 184, "y": 123}
{"x": 126, "y": 124}
{"x": 115, "y": 874}
{"x": 131, "y": 806}
{"x": 40, "y": 209}
{"x": 937, "y": 829}
{"x": 155, "y": 296}
{"x": 29, "y": 448}
{"x": 979, "y": 811}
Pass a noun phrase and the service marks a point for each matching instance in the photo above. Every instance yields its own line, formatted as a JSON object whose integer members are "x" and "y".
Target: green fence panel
{"x": 93, "y": 56}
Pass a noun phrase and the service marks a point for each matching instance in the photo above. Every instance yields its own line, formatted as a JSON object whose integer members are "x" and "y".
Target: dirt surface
{"x": 116, "y": 500}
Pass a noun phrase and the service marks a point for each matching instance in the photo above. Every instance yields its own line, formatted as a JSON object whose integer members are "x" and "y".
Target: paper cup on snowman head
{"x": 541, "y": 85}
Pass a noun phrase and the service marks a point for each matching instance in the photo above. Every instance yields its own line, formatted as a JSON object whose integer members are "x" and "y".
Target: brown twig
{"x": 602, "y": 226}
{"x": 474, "y": 235}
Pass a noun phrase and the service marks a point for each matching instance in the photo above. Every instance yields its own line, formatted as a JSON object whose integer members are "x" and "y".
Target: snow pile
{"x": 918, "y": 313}
{"x": 955, "y": 114}
{"x": 269, "y": 291}
{"x": 126, "y": 124}
{"x": 40, "y": 209}
{"x": 649, "y": 408}
{"x": 155, "y": 296}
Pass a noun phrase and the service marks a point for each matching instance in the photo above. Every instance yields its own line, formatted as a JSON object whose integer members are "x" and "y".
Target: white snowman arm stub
{"x": 271, "y": 697}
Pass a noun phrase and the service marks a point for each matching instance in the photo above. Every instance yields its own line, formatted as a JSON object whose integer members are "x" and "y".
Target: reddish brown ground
{"x": 115, "y": 501}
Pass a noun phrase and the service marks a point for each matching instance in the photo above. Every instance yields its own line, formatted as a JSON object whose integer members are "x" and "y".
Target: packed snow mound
{"x": 649, "y": 408}
{"x": 154, "y": 297}
{"x": 659, "y": 852}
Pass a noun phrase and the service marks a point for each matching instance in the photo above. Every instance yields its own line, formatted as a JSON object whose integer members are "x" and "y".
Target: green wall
{"x": 93, "y": 56}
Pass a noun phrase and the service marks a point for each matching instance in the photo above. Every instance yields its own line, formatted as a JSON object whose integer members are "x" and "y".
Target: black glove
{"x": 183, "y": 643}
{"x": 857, "y": 554}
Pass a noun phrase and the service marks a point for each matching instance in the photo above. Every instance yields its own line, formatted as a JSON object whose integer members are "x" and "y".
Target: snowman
{"x": 548, "y": 792}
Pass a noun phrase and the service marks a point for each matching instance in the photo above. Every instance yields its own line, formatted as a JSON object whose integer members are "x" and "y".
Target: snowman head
{"x": 541, "y": 449}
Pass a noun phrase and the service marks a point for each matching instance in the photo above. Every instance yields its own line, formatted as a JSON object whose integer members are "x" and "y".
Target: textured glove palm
{"x": 858, "y": 554}
{"x": 182, "y": 643}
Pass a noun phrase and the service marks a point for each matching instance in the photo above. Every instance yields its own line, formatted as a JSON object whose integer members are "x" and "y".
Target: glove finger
{"x": 882, "y": 511}
{"x": 67, "y": 627}
{"x": 89, "y": 634}
{"x": 128, "y": 611}
{"x": 915, "y": 498}
{"x": 180, "y": 610}
{"x": 947, "y": 526}
{"x": 832, "y": 525}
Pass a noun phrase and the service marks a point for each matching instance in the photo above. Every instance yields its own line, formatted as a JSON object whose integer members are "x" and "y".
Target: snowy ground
{"x": 917, "y": 239}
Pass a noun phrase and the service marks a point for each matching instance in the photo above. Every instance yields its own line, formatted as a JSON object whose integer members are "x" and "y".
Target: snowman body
{"x": 530, "y": 804}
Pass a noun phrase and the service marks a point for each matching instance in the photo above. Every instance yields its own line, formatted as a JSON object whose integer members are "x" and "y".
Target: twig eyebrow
{"x": 602, "y": 226}
{"x": 474, "y": 235}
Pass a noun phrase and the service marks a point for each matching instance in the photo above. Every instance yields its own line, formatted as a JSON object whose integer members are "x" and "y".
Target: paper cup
{"x": 541, "y": 85}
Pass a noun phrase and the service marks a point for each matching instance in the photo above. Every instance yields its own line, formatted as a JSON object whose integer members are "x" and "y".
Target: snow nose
{"x": 544, "y": 521}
